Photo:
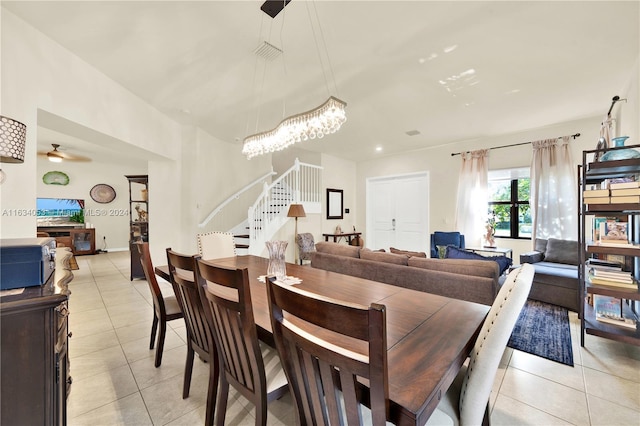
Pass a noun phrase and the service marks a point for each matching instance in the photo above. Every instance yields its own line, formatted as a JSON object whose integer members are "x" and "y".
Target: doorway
{"x": 398, "y": 212}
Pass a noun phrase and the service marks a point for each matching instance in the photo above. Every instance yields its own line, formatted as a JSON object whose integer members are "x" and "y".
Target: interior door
{"x": 398, "y": 212}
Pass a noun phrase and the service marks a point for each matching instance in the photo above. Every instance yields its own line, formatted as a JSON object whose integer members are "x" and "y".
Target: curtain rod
{"x": 575, "y": 135}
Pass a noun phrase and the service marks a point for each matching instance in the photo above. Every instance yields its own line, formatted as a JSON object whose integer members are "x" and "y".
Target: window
{"x": 509, "y": 203}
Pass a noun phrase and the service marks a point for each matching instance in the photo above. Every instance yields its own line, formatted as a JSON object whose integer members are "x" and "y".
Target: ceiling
{"x": 451, "y": 70}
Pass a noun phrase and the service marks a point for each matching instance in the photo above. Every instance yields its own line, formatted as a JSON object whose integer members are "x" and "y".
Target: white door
{"x": 398, "y": 212}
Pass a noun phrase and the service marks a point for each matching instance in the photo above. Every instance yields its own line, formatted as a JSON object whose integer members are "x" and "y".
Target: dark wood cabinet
{"x": 138, "y": 219}
{"x": 34, "y": 366}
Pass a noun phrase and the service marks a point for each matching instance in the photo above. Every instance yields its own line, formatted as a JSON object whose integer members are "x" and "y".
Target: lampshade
{"x": 13, "y": 138}
{"x": 296, "y": 210}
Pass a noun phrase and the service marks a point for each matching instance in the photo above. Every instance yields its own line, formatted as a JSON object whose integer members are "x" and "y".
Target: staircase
{"x": 301, "y": 184}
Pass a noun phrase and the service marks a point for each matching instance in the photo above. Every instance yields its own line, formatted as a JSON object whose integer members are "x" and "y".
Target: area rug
{"x": 543, "y": 330}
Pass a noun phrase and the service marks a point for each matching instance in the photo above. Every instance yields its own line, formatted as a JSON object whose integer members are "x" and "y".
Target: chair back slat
{"x": 149, "y": 273}
{"x": 326, "y": 347}
{"x": 229, "y": 310}
{"x": 181, "y": 269}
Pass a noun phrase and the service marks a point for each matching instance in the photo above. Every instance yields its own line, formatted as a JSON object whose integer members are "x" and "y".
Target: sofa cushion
{"x": 476, "y": 268}
{"x": 398, "y": 259}
{"x": 561, "y": 251}
{"x": 446, "y": 238}
{"x": 556, "y": 274}
{"x": 540, "y": 245}
{"x": 408, "y": 253}
{"x": 455, "y": 253}
{"x": 338, "y": 249}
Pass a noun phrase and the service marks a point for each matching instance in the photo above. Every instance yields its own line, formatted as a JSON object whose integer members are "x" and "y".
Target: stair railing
{"x": 222, "y": 218}
{"x": 300, "y": 184}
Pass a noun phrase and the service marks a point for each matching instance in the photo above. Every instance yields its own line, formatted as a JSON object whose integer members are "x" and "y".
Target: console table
{"x": 336, "y": 237}
{"x": 492, "y": 250}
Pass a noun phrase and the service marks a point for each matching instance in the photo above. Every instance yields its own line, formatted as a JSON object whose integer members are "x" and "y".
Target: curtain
{"x": 471, "y": 207}
{"x": 553, "y": 190}
{"x": 606, "y": 131}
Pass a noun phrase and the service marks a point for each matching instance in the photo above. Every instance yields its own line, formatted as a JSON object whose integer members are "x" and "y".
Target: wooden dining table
{"x": 428, "y": 336}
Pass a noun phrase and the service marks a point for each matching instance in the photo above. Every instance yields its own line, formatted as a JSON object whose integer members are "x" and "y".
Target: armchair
{"x": 438, "y": 238}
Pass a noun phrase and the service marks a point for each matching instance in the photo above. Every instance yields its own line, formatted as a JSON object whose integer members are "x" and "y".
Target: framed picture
{"x": 334, "y": 203}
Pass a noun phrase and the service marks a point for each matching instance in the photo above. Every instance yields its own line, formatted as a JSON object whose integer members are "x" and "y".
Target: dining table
{"x": 429, "y": 337}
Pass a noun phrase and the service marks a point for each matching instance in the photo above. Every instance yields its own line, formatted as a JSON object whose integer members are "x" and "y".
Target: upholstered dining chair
{"x": 466, "y": 402}
{"x": 165, "y": 308}
{"x": 200, "y": 340}
{"x": 251, "y": 367}
{"x": 314, "y": 360}
{"x": 323, "y": 372}
{"x": 306, "y": 246}
{"x": 215, "y": 245}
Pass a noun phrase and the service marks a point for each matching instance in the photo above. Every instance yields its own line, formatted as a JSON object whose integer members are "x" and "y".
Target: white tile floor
{"x": 115, "y": 382}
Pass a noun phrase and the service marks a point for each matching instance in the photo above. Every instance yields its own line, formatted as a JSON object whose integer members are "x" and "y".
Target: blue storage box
{"x": 26, "y": 262}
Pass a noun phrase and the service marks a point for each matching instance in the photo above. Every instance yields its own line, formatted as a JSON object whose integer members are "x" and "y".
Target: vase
{"x": 277, "y": 265}
{"x": 620, "y": 154}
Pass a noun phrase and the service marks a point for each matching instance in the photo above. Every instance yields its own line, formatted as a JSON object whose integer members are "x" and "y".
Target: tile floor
{"x": 115, "y": 382}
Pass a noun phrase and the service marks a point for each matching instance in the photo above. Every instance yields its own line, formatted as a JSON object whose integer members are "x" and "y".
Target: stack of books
{"x": 612, "y": 278}
{"x": 625, "y": 192}
{"x": 596, "y": 196}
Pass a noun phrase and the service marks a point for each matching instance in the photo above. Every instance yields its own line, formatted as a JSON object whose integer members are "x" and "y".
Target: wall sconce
{"x": 13, "y": 139}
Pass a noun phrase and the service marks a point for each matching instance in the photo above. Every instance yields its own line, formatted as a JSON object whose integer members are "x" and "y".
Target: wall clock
{"x": 102, "y": 193}
{"x": 55, "y": 178}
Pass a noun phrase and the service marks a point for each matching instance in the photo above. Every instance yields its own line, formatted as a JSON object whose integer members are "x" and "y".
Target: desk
{"x": 428, "y": 336}
{"x": 494, "y": 250}
{"x": 338, "y": 236}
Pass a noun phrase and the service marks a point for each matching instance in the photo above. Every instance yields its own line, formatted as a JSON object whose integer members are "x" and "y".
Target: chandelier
{"x": 320, "y": 121}
{"x": 316, "y": 123}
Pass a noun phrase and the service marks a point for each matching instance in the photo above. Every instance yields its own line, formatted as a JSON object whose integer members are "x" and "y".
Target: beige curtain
{"x": 471, "y": 207}
{"x": 553, "y": 190}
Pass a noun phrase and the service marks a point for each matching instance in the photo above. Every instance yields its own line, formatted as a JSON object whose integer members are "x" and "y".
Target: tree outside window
{"x": 509, "y": 207}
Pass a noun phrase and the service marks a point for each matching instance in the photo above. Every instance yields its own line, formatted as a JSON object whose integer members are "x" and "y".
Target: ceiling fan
{"x": 59, "y": 156}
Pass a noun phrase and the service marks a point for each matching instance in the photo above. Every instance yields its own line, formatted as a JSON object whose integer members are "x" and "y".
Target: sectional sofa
{"x": 471, "y": 280}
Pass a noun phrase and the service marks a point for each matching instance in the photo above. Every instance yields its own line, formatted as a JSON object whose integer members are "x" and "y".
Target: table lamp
{"x": 296, "y": 210}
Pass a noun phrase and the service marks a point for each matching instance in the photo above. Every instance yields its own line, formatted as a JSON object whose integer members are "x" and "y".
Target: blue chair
{"x": 444, "y": 239}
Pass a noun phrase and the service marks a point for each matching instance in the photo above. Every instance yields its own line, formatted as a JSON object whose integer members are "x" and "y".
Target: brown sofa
{"x": 470, "y": 280}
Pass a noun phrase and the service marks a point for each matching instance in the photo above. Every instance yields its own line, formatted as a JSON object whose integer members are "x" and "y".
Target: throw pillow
{"x": 408, "y": 253}
{"x": 561, "y": 251}
{"x": 455, "y": 253}
{"x": 540, "y": 245}
{"x": 338, "y": 249}
{"x": 442, "y": 251}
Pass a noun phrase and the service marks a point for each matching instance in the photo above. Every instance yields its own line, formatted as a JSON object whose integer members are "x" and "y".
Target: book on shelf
{"x": 603, "y": 265}
{"x": 597, "y": 200}
{"x": 625, "y": 199}
{"x": 610, "y": 310}
{"x": 620, "y": 276}
{"x": 625, "y": 192}
{"x": 611, "y": 283}
{"x": 590, "y": 193}
{"x": 624, "y": 185}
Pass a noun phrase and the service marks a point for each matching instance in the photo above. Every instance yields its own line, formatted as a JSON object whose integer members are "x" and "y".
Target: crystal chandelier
{"x": 320, "y": 121}
{"x": 316, "y": 123}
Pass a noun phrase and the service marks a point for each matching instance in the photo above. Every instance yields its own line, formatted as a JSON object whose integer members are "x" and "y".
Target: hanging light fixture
{"x": 13, "y": 139}
{"x": 316, "y": 123}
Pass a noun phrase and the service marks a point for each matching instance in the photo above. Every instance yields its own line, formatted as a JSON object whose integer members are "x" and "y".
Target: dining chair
{"x": 165, "y": 308}
{"x": 251, "y": 367}
{"x": 200, "y": 340}
{"x": 306, "y": 246}
{"x": 215, "y": 245}
{"x": 326, "y": 346}
{"x": 467, "y": 400}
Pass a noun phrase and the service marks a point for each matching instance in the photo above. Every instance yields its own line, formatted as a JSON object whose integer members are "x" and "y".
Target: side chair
{"x": 324, "y": 361}
{"x": 215, "y": 245}
{"x": 165, "y": 308}
{"x": 251, "y": 367}
{"x": 182, "y": 271}
{"x": 306, "y": 246}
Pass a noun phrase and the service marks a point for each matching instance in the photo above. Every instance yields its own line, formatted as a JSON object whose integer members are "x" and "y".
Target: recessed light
{"x": 413, "y": 132}
{"x": 450, "y": 49}
{"x": 378, "y": 148}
